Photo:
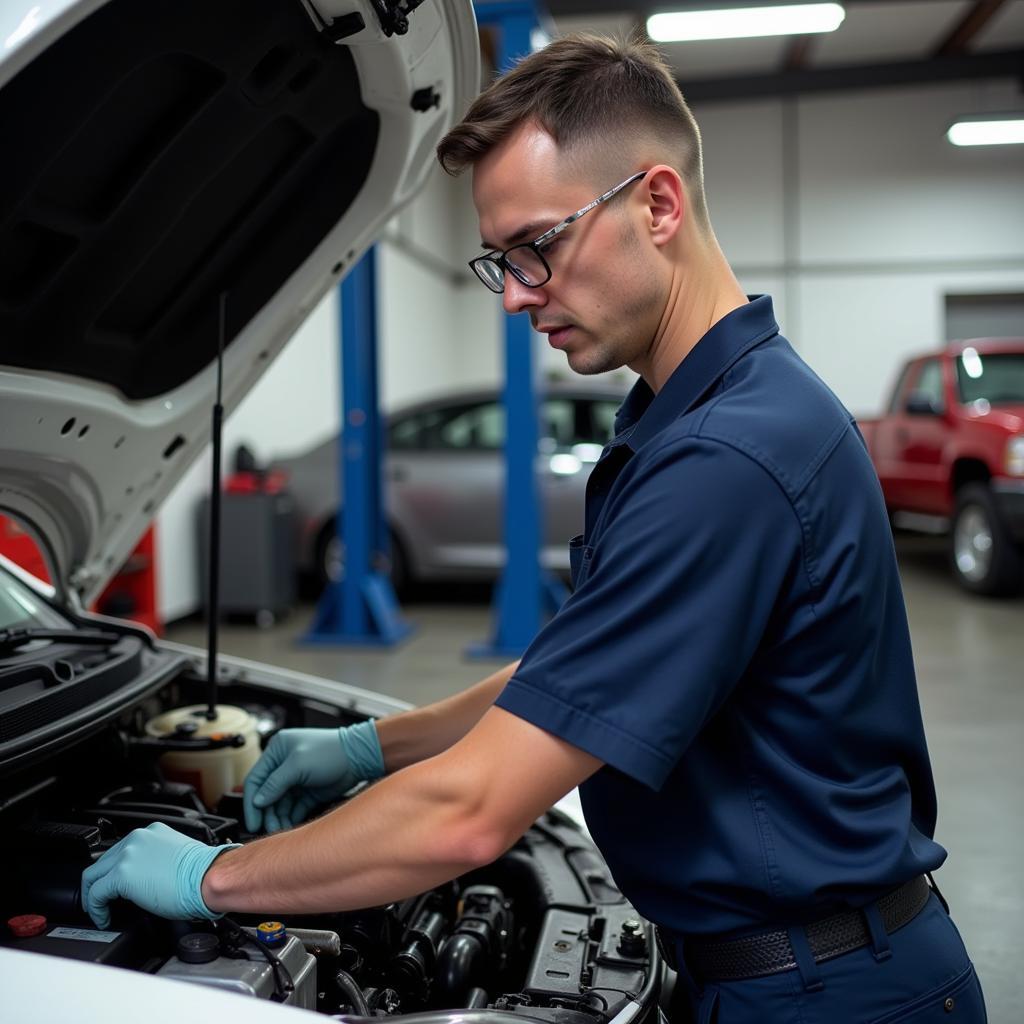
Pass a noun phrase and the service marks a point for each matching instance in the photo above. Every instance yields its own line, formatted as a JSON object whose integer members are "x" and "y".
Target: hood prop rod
{"x": 213, "y": 600}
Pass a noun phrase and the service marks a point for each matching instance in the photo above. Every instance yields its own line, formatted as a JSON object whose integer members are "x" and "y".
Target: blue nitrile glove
{"x": 303, "y": 768}
{"x": 156, "y": 868}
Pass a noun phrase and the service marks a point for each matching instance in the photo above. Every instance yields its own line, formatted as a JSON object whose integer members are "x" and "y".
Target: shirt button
{"x": 949, "y": 1004}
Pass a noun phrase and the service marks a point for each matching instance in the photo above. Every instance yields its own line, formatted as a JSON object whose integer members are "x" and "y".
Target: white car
{"x": 167, "y": 167}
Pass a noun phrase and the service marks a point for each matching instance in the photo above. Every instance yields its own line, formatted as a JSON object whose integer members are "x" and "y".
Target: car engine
{"x": 542, "y": 932}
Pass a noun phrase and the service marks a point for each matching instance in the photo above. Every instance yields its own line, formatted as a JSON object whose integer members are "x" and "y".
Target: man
{"x": 731, "y": 682}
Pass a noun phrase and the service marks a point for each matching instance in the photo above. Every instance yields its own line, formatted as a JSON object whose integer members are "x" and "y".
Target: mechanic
{"x": 731, "y": 682}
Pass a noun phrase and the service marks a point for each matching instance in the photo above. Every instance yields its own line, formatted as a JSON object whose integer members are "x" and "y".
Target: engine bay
{"x": 542, "y": 932}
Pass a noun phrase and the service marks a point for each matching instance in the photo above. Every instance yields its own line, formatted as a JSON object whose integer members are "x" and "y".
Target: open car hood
{"x": 159, "y": 158}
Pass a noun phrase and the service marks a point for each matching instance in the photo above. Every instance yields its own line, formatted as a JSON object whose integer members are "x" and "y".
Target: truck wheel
{"x": 984, "y": 558}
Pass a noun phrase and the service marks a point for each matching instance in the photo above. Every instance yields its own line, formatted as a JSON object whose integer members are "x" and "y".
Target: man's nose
{"x": 517, "y": 296}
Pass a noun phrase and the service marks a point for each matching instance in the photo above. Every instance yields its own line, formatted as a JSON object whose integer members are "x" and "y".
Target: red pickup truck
{"x": 951, "y": 448}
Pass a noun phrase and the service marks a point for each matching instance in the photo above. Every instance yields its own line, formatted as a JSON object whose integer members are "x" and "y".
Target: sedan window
{"x": 558, "y": 423}
{"x": 603, "y": 414}
{"x": 415, "y": 431}
{"x": 479, "y": 427}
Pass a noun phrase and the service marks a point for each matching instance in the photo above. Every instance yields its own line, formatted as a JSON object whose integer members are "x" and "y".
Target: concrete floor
{"x": 970, "y": 664}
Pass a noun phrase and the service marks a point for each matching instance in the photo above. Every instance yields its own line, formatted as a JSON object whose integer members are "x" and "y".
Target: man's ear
{"x": 667, "y": 201}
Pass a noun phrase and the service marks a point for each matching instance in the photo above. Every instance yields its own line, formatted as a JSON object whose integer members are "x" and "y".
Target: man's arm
{"x": 302, "y": 769}
{"x": 415, "y": 829}
{"x": 425, "y": 732}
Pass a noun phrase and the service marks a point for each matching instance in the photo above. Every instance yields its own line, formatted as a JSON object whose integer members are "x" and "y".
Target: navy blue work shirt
{"x": 736, "y": 650}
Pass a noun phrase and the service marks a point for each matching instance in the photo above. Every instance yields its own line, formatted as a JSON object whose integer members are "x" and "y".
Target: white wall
{"x": 851, "y": 210}
{"x": 859, "y": 217}
{"x": 419, "y": 280}
{"x": 293, "y": 406}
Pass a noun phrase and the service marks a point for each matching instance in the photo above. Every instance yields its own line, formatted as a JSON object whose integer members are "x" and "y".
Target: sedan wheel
{"x": 333, "y": 560}
{"x": 330, "y": 561}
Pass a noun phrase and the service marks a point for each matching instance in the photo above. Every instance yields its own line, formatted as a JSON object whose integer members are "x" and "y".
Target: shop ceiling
{"x": 881, "y": 43}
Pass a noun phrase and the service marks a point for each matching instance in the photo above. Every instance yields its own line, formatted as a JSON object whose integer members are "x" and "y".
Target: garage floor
{"x": 970, "y": 664}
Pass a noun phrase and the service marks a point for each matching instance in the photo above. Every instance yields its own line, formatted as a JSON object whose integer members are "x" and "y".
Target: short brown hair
{"x": 586, "y": 91}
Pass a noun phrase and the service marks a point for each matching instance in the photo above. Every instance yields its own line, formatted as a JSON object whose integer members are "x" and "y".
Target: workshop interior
{"x": 271, "y": 457}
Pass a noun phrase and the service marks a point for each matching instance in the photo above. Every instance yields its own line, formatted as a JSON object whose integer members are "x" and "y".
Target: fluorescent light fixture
{"x": 743, "y": 22}
{"x": 988, "y": 130}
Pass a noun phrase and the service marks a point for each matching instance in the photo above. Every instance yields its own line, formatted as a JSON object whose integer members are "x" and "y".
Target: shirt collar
{"x": 643, "y": 414}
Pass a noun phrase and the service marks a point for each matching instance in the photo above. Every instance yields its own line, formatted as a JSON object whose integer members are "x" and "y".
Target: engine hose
{"x": 318, "y": 941}
{"x": 461, "y": 967}
{"x": 352, "y": 992}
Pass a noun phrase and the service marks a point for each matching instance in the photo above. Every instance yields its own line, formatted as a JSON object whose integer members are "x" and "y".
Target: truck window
{"x": 896, "y": 402}
{"x": 929, "y": 382}
{"x": 997, "y": 378}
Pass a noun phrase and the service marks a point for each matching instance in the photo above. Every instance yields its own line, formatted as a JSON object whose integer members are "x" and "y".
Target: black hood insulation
{"x": 156, "y": 155}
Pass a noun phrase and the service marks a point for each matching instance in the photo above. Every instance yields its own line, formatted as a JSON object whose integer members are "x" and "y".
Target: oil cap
{"x": 271, "y": 933}
{"x": 198, "y": 948}
{"x": 27, "y": 926}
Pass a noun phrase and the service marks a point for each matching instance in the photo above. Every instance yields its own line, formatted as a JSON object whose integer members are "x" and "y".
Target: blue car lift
{"x": 360, "y": 609}
{"x": 526, "y": 594}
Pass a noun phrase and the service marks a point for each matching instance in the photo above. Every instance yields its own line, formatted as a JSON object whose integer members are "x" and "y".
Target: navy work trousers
{"x": 919, "y": 974}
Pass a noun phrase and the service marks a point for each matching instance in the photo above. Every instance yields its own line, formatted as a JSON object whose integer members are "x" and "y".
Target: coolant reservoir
{"x": 212, "y": 772}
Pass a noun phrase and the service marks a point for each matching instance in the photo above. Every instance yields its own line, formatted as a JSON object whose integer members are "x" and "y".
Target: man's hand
{"x": 421, "y": 826}
{"x": 157, "y": 868}
{"x": 303, "y": 768}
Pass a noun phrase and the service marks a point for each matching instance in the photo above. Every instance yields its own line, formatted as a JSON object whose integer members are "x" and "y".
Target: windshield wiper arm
{"x": 11, "y": 639}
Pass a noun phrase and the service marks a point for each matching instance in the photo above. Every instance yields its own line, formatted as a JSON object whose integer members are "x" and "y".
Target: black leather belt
{"x": 754, "y": 956}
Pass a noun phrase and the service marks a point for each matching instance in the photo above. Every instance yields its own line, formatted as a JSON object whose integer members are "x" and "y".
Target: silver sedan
{"x": 445, "y": 481}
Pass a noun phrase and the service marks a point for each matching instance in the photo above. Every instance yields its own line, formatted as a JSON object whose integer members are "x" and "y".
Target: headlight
{"x": 1015, "y": 456}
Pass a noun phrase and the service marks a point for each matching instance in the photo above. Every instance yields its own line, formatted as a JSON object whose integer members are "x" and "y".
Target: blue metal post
{"x": 526, "y": 594}
{"x": 360, "y": 608}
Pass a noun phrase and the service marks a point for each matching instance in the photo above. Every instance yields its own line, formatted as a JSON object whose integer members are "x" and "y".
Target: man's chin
{"x": 588, "y": 363}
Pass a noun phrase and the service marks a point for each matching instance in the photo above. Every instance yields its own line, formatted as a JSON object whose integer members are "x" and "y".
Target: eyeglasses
{"x": 526, "y": 261}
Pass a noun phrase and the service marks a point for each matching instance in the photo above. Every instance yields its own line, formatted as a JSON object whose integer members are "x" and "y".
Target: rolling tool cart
{"x": 257, "y": 547}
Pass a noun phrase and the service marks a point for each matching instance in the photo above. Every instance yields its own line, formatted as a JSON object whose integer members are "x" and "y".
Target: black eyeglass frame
{"x": 501, "y": 261}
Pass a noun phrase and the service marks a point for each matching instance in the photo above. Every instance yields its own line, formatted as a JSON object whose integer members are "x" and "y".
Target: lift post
{"x": 360, "y": 609}
{"x": 526, "y": 594}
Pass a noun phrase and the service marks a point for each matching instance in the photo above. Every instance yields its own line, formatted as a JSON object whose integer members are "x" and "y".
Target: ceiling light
{"x": 987, "y": 130}
{"x": 741, "y": 22}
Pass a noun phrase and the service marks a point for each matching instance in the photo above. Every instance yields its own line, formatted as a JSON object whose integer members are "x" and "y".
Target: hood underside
{"x": 161, "y": 158}
{"x": 202, "y": 149}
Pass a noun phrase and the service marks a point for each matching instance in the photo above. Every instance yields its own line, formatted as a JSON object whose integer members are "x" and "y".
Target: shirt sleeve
{"x": 695, "y": 550}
